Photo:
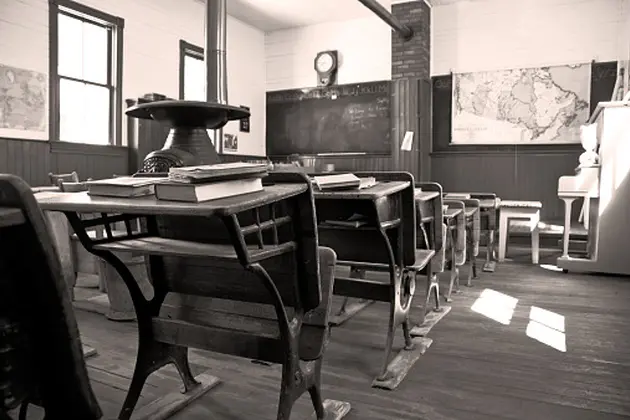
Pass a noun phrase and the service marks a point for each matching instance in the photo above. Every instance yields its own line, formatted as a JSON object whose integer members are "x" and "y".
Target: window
{"x": 86, "y": 74}
{"x": 192, "y": 80}
{"x": 192, "y": 73}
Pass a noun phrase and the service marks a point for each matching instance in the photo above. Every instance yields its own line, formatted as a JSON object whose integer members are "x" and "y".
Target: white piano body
{"x": 605, "y": 189}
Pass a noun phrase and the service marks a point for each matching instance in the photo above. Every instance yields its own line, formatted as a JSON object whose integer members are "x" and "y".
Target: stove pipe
{"x": 377, "y": 8}
{"x": 215, "y": 58}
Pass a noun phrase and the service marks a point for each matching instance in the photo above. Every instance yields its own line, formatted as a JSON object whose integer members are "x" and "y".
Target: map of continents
{"x": 23, "y": 96}
{"x": 521, "y": 106}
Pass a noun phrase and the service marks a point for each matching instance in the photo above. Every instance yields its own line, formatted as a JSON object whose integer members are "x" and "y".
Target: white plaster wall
{"x": 152, "y": 32}
{"x": 502, "y": 34}
{"x": 364, "y": 47}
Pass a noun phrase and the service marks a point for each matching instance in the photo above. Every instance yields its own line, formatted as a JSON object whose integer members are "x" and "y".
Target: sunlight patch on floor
{"x": 547, "y": 328}
{"x": 495, "y": 305}
{"x": 550, "y": 267}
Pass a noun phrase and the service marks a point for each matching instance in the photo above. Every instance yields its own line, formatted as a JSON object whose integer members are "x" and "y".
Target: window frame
{"x": 186, "y": 49}
{"x": 114, "y": 63}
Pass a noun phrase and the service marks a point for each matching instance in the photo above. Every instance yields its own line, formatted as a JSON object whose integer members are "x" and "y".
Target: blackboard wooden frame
{"x": 603, "y": 78}
{"x": 340, "y": 91}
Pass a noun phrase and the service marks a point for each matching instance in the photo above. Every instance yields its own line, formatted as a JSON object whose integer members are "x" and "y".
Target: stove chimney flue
{"x": 215, "y": 56}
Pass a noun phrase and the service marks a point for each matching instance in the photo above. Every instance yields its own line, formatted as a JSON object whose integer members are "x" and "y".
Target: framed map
{"x": 23, "y": 103}
{"x": 543, "y": 105}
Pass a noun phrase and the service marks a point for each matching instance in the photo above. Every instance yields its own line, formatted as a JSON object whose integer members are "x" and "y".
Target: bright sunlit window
{"x": 192, "y": 78}
{"x": 87, "y": 83}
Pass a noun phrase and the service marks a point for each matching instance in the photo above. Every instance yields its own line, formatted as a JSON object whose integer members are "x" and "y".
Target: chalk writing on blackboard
{"x": 337, "y": 119}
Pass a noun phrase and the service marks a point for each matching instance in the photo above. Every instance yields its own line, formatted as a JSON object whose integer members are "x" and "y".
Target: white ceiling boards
{"x": 271, "y": 15}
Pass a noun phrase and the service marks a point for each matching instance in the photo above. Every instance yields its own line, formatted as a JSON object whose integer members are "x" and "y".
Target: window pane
{"x": 194, "y": 79}
{"x": 70, "y": 46}
{"x": 95, "y": 53}
{"x": 84, "y": 113}
{"x": 97, "y": 109}
{"x": 82, "y": 49}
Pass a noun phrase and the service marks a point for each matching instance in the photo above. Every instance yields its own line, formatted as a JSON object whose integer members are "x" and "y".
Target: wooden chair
{"x": 489, "y": 222}
{"x": 81, "y": 260}
{"x": 472, "y": 213}
{"x": 56, "y": 179}
{"x": 430, "y": 235}
{"x": 455, "y": 242}
{"x": 387, "y": 244}
{"x": 41, "y": 357}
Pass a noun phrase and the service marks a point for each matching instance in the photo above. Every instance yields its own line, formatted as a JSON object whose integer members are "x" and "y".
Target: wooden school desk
{"x": 385, "y": 242}
{"x": 251, "y": 249}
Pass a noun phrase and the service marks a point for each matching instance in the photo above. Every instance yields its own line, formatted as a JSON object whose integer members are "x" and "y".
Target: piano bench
{"x": 527, "y": 210}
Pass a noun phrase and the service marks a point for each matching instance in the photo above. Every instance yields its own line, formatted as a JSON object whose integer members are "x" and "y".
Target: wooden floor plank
{"x": 476, "y": 369}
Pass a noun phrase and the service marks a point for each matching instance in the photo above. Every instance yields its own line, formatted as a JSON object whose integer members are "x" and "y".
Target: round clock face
{"x": 324, "y": 63}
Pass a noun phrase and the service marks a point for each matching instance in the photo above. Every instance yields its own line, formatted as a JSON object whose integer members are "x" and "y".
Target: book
{"x": 197, "y": 193}
{"x": 343, "y": 182}
{"x": 336, "y": 182}
{"x": 218, "y": 172}
{"x": 367, "y": 182}
{"x": 124, "y": 187}
{"x": 354, "y": 221}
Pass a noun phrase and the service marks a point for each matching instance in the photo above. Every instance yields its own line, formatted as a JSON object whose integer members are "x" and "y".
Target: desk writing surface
{"x": 83, "y": 203}
{"x": 48, "y": 188}
{"x": 457, "y": 196}
{"x": 382, "y": 189}
{"x": 450, "y": 213}
{"x": 486, "y": 200}
{"x": 10, "y": 217}
{"x": 487, "y": 203}
{"x": 420, "y": 195}
{"x": 470, "y": 211}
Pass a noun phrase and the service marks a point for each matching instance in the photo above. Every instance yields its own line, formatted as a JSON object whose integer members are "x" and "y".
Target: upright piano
{"x": 606, "y": 190}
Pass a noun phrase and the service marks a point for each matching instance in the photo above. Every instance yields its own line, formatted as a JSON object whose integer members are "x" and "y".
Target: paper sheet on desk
{"x": 407, "y": 141}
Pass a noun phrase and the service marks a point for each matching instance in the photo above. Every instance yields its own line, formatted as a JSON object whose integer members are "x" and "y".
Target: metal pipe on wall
{"x": 377, "y": 8}
{"x": 215, "y": 59}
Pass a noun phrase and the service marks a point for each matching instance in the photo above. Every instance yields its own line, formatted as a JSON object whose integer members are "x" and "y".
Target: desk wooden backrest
{"x": 435, "y": 227}
{"x": 295, "y": 275}
{"x": 37, "y": 316}
{"x": 55, "y": 179}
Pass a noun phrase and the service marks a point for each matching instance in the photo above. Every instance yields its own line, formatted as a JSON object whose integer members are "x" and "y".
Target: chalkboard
{"x": 603, "y": 78}
{"x": 336, "y": 119}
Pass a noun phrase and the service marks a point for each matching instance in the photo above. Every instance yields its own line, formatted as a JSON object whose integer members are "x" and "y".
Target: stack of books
{"x": 192, "y": 184}
{"x": 196, "y": 184}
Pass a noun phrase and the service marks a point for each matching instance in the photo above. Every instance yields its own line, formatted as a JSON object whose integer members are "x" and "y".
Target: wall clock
{"x": 326, "y": 63}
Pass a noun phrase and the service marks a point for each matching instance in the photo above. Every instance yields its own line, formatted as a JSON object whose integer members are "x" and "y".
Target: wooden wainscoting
{"x": 514, "y": 173}
{"x": 32, "y": 160}
{"x": 28, "y": 159}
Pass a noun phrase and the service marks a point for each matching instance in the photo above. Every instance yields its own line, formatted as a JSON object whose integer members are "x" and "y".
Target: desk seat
{"x": 514, "y": 209}
{"x": 178, "y": 247}
{"x": 423, "y": 257}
